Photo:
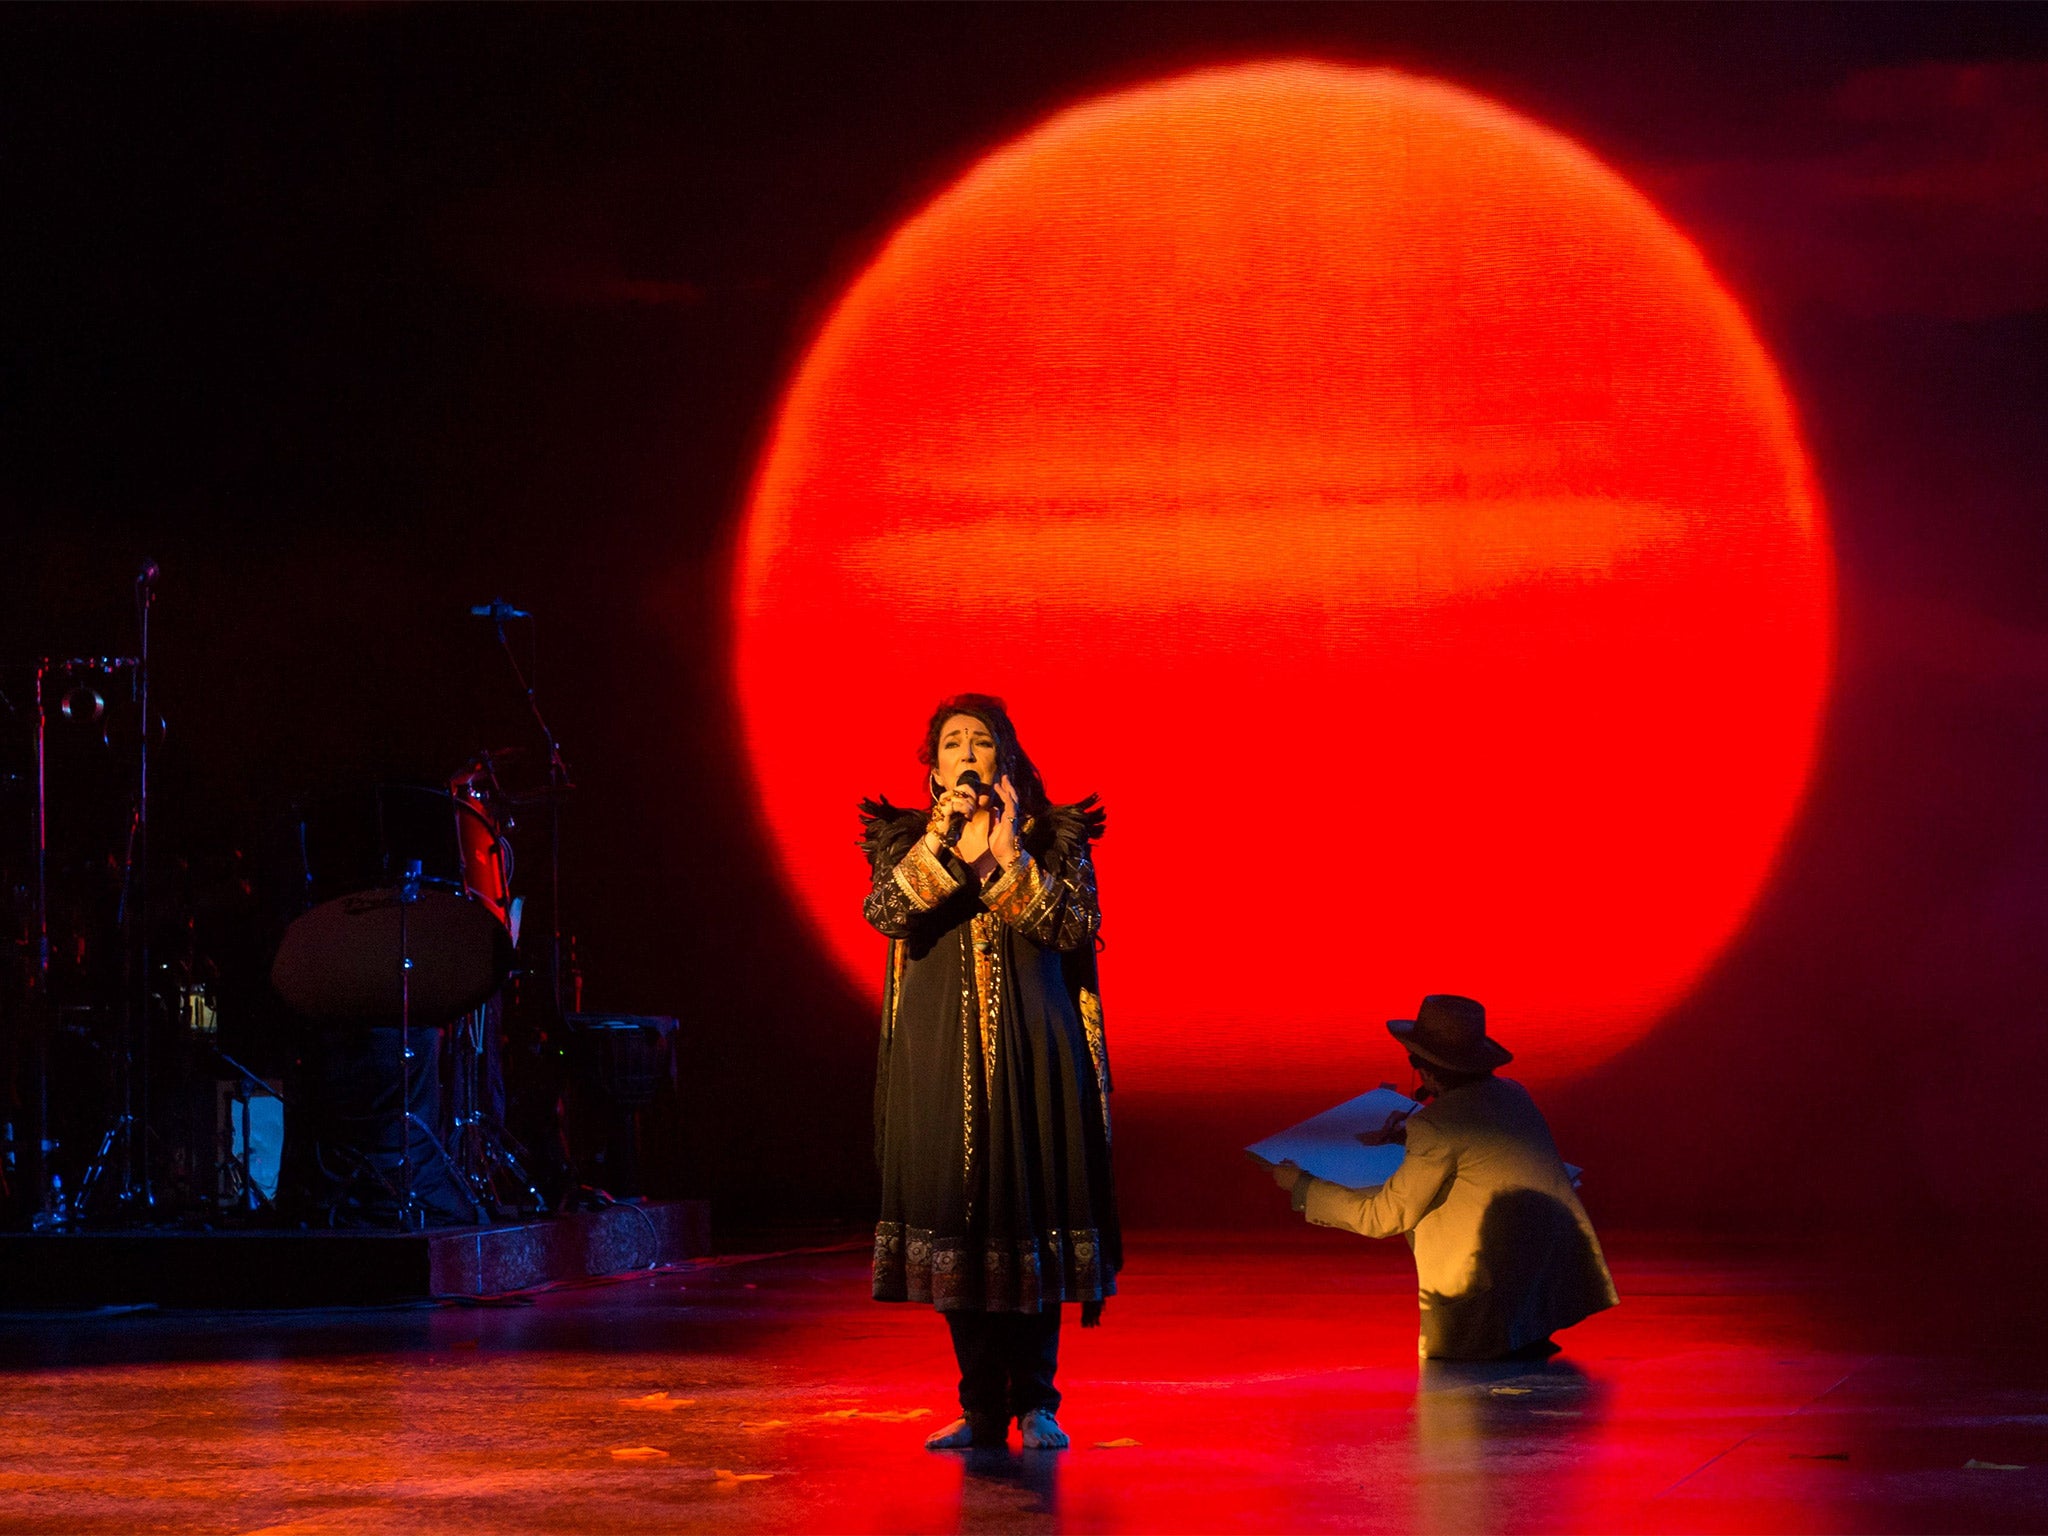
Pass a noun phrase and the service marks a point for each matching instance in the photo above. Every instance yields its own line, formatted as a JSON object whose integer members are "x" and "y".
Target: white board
{"x": 1327, "y": 1144}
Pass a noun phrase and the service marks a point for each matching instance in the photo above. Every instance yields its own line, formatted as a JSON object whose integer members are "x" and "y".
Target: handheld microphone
{"x": 498, "y": 610}
{"x": 957, "y": 822}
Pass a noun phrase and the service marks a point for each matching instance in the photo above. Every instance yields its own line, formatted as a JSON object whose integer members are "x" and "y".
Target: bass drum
{"x": 372, "y": 941}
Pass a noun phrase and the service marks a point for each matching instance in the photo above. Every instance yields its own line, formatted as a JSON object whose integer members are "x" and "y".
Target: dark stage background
{"x": 354, "y": 317}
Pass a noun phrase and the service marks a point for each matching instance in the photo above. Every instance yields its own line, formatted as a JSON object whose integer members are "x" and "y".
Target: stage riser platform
{"x": 321, "y": 1268}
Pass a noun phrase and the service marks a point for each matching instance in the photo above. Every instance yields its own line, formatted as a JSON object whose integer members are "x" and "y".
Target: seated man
{"x": 1504, "y": 1253}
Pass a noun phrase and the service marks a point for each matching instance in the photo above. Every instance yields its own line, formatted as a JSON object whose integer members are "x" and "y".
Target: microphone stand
{"x": 559, "y": 784}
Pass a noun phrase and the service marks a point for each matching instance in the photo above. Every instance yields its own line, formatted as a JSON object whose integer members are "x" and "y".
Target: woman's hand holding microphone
{"x": 1005, "y": 841}
{"x": 958, "y": 801}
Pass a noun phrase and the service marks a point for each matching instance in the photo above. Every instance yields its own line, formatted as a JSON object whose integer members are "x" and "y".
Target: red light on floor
{"x": 1374, "y": 498}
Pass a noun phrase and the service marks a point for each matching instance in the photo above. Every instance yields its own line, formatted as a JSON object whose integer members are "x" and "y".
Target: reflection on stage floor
{"x": 1240, "y": 1382}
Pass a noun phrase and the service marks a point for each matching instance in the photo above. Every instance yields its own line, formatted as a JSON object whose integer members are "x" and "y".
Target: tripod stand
{"x": 486, "y": 1156}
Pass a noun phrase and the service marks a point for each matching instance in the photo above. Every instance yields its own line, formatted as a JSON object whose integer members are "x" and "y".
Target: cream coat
{"x": 1504, "y": 1252}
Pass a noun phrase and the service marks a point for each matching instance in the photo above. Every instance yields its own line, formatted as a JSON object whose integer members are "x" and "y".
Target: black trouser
{"x": 1007, "y": 1360}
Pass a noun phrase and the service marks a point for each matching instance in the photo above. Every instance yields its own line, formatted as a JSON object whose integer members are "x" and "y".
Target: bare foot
{"x": 1042, "y": 1431}
{"x": 965, "y": 1432}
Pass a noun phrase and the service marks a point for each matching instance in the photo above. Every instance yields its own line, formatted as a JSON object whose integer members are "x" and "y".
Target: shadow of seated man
{"x": 1505, "y": 1255}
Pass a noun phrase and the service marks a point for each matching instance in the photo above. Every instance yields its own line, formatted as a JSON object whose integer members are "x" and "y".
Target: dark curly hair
{"x": 1011, "y": 758}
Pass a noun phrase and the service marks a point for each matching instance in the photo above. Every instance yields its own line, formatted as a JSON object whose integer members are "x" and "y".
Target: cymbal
{"x": 341, "y": 959}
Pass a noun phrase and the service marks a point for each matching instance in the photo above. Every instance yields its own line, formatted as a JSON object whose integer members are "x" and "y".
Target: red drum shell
{"x": 485, "y": 869}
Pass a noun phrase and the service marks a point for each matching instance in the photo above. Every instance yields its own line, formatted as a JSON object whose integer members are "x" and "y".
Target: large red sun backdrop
{"x": 1368, "y": 493}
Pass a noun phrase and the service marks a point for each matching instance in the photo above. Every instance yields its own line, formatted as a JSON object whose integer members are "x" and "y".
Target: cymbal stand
{"x": 39, "y": 1166}
{"x": 135, "y": 899}
{"x": 121, "y": 1139}
{"x": 412, "y": 1212}
{"x": 131, "y": 1130}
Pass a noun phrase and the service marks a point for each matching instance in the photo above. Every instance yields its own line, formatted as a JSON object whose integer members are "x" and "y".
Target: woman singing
{"x": 991, "y": 1091}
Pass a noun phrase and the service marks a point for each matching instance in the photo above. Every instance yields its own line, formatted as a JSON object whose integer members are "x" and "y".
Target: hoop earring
{"x": 931, "y": 783}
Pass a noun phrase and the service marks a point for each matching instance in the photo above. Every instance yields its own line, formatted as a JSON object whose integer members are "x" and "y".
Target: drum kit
{"x": 401, "y": 926}
{"x": 411, "y": 923}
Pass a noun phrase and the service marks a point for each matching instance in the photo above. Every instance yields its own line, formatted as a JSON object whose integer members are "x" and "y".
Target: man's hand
{"x": 1394, "y": 1130}
{"x": 1286, "y": 1175}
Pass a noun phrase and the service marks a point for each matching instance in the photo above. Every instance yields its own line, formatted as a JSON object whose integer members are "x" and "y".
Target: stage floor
{"x": 1239, "y": 1384}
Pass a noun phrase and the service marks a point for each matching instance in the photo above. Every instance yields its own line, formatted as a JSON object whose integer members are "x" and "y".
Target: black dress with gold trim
{"x": 992, "y": 1083}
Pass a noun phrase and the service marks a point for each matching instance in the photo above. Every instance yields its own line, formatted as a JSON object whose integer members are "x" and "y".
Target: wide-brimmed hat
{"x": 1451, "y": 1032}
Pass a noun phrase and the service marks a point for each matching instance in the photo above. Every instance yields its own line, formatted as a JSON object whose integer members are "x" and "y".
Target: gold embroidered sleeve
{"x": 887, "y": 909}
{"x": 903, "y": 893}
{"x": 924, "y": 878}
{"x": 1059, "y": 913}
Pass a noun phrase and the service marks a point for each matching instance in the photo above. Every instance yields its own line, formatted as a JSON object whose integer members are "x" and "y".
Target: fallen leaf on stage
{"x": 726, "y": 1479}
{"x": 1114, "y": 1445}
{"x": 657, "y": 1402}
{"x": 639, "y": 1453}
{"x": 756, "y": 1427}
{"x": 1512, "y": 1391}
{"x": 889, "y": 1415}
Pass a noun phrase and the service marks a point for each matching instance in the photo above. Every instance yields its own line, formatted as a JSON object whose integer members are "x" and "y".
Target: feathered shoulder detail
{"x": 1058, "y": 837}
{"x": 1064, "y": 832}
{"x": 887, "y": 831}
